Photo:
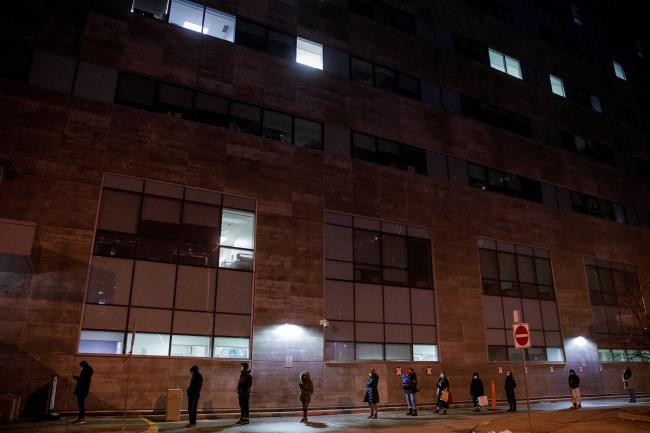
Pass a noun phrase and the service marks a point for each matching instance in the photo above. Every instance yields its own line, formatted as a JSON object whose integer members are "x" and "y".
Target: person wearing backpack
{"x": 574, "y": 385}
{"x": 410, "y": 386}
{"x": 476, "y": 390}
{"x": 442, "y": 394}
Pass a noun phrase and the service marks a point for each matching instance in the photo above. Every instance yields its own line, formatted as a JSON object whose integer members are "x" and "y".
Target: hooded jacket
{"x": 196, "y": 383}
{"x": 245, "y": 383}
{"x": 83, "y": 380}
{"x": 306, "y": 387}
{"x": 476, "y": 388}
{"x": 574, "y": 380}
{"x": 372, "y": 394}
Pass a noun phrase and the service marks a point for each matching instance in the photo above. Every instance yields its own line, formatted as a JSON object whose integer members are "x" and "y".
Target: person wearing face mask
{"x": 476, "y": 390}
{"x": 372, "y": 394}
{"x": 244, "y": 387}
{"x": 510, "y": 391}
{"x": 442, "y": 391}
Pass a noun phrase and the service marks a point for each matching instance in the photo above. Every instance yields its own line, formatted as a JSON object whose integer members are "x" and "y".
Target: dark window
{"x": 174, "y": 101}
{"x": 281, "y": 45}
{"x": 497, "y": 353}
{"x": 504, "y": 183}
{"x": 113, "y": 244}
{"x": 388, "y": 153}
{"x": 136, "y": 91}
{"x": 419, "y": 257}
{"x": 408, "y": 86}
{"x": 250, "y": 35}
{"x": 150, "y": 8}
{"x": 361, "y": 7}
{"x": 361, "y": 71}
{"x": 159, "y": 250}
{"x": 385, "y": 78}
{"x": 209, "y": 109}
{"x": 277, "y": 126}
{"x": 308, "y": 133}
{"x": 364, "y": 147}
{"x": 403, "y": 20}
{"x": 414, "y": 159}
{"x": 245, "y": 118}
{"x": 198, "y": 254}
{"x": 336, "y": 61}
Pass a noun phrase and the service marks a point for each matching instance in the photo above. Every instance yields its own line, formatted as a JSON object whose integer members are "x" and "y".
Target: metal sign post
{"x": 521, "y": 334}
{"x": 128, "y": 374}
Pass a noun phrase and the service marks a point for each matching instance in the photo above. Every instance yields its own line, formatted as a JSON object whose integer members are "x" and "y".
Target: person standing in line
{"x": 410, "y": 386}
{"x": 442, "y": 394}
{"x": 193, "y": 394}
{"x": 574, "y": 385}
{"x": 372, "y": 394}
{"x": 510, "y": 391}
{"x": 628, "y": 384}
{"x": 244, "y": 387}
{"x": 476, "y": 390}
{"x": 306, "y": 390}
{"x": 81, "y": 390}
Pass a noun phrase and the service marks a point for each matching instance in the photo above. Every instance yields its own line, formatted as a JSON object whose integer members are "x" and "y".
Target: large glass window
{"x": 246, "y": 118}
{"x": 219, "y": 24}
{"x": 277, "y": 126}
{"x": 619, "y": 71}
{"x": 228, "y": 347}
{"x": 505, "y": 183}
{"x": 387, "y": 152}
{"x": 175, "y": 263}
{"x": 378, "y": 291}
{"x": 503, "y": 63}
{"x": 153, "y": 8}
{"x": 517, "y": 277}
{"x": 251, "y": 35}
{"x": 308, "y": 133}
{"x": 615, "y": 296}
{"x": 309, "y": 53}
{"x": 187, "y": 14}
{"x": 361, "y": 71}
{"x": 280, "y": 45}
{"x": 557, "y": 86}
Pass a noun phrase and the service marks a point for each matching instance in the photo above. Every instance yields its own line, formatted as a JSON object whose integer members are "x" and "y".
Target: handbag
{"x": 444, "y": 396}
{"x": 483, "y": 401}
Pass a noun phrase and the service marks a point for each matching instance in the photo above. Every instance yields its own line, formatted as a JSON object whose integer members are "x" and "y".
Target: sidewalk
{"x": 596, "y": 416}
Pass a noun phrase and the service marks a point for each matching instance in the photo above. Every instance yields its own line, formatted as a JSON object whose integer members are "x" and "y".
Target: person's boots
{"x": 410, "y": 412}
{"x": 415, "y": 412}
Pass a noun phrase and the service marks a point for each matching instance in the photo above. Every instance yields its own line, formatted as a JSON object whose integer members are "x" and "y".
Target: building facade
{"x": 329, "y": 186}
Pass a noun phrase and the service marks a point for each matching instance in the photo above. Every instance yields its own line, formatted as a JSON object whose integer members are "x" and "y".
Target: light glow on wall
{"x": 288, "y": 332}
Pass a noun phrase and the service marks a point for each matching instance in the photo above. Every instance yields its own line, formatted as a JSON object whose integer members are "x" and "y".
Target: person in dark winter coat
{"x": 306, "y": 391}
{"x": 574, "y": 385}
{"x": 628, "y": 384}
{"x": 244, "y": 387}
{"x": 410, "y": 386}
{"x": 372, "y": 394}
{"x": 442, "y": 394}
{"x": 510, "y": 391}
{"x": 193, "y": 394}
{"x": 82, "y": 388}
{"x": 476, "y": 390}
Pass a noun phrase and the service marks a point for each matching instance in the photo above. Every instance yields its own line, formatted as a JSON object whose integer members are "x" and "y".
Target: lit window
{"x": 554, "y": 354}
{"x": 188, "y": 15}
{"x": 101, "y": 342}
{"x": 605, "y": 355}
{"x": 618, "y": 355}
{"x": 219, "y": 24}
{"x": 595, "y": 103}
{"x": 228, "y": 347}
{"x": 619, "y": 71}
{"x": 148, "y": 344}
{"x": 309, "y": 53}
{"x": 152, "y": 8}
{"x": 370, "y": 351}
{"x": 190, "y": 345}
{"x": 503, "y": 63}
{"x": 425, "y": 352}
{"x": 557, "y": 86}
{"x": 237, "y": 229}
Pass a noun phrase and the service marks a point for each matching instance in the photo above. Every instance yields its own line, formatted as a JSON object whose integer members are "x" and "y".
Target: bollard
{"x": 494, "y": 396}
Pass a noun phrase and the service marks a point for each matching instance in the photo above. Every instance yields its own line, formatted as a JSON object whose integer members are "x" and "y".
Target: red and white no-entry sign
{"x": 522, "y": 335}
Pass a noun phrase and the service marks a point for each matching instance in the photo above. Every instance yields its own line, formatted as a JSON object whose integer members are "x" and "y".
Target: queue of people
{"x": 371, "y": 397}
